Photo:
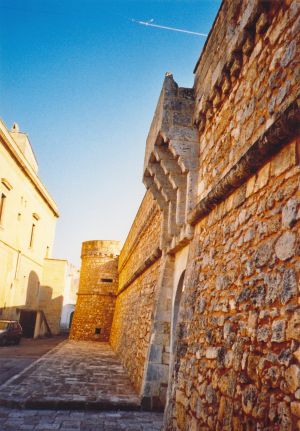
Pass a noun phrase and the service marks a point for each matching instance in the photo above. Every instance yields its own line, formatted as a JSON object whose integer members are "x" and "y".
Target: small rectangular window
{"x": 2, "y": 205}
{"x": 106, "y": 280}
{"x": 97, "y": 331}
{"x": 32, "y": 235}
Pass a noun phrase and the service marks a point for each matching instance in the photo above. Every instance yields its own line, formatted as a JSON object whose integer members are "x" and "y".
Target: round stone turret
{"x": 104, "y": 248}
{"x": 97, "y": 290}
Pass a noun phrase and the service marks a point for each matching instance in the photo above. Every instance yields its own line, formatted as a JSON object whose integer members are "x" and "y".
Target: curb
{"x": 102, "y": 405}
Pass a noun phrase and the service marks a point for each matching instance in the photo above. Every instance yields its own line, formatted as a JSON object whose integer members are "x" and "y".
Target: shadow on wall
{"x": 40, "y": 315}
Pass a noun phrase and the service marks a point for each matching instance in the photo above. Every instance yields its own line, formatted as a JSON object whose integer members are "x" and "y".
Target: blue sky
{"x": 83, "y": 81}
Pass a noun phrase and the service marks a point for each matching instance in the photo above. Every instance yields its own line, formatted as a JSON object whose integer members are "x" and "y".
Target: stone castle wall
{"x": 138, "y": 273}
{"x": 236, "y": 364}
{"x": 246, "y": 77}
{"x": 97, "y": 291}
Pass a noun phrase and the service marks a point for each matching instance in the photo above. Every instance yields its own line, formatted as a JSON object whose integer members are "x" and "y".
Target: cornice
{"x": 284, "y": 128}
{"x": 18, "y": 156}
{"x": 142, "y": 268}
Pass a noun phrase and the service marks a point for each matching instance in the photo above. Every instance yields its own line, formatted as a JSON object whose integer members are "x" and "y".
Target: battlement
{"x": 101, "y": 248}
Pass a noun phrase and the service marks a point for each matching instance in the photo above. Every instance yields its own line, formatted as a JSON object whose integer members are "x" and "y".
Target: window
{"x": 32, "y": 235}
{"x": 106, "y": 280}
{"x": 2, "y": 205}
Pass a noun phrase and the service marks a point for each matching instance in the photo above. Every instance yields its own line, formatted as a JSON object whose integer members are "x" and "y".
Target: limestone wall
{"x": 142, "y": 241}
{"x": 27, "y": 227}
{"x": 138, "y": 272}
{"x": 246, "y": 76}
{"x": 97, "y": 291}
{"x": 131, "y": 329}
{"x": 237, "y": 359}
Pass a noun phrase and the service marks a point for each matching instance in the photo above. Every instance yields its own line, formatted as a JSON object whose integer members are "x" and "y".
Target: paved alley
{"x": 49, "y": 420}
{"x": 78, "y": 385}
{"x": 14, "y": 359}
{"x": 75, "y": 374}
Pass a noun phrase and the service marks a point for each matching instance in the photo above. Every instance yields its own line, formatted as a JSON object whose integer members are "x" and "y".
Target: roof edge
{"x": 21, "y": 160}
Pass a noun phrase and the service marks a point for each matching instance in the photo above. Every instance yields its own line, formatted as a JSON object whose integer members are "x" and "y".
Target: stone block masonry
{"x": 139, "y": 264}
{"x": 236, "y": 362}
{"x": 97, "y": 291}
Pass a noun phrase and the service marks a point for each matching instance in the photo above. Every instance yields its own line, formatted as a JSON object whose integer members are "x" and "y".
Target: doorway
{"x": 27, "y": 321}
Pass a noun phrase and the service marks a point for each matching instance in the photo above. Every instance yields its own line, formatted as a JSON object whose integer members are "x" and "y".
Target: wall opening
{"x": 27, "y": 321}
{"x": 71, "y": 318}
{"x": 176, "y": 307}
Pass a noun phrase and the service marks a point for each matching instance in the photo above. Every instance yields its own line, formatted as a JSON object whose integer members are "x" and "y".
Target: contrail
{"x": 150, "y": 24}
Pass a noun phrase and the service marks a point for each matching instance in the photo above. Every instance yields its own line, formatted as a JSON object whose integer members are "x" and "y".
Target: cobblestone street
{"x": 76, "y": 386}
{"x": 13, "y": 359}
{"x": 48, "y": 420}
{"x": 75, "y": 374}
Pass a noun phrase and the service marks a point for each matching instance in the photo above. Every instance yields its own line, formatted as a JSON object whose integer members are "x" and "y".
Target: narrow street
{"x": 74, "y": 386}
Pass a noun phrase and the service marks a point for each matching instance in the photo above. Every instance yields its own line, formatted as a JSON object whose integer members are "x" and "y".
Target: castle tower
{"x": 97, "y": 291}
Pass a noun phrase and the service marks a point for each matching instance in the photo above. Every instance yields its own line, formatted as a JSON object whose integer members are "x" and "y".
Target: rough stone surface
{"x": 285, "y": 246}
{"x": 290, "y": 212}
{"x": 253, "y": 315}
{"x": 131, "y": 328}
{"x": 292, "y": 377}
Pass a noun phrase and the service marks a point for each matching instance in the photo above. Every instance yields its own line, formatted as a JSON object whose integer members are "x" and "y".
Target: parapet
{"x": 101, "y": 248}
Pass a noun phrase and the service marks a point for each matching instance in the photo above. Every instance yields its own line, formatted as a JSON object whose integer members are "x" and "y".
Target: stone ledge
{"x": 145, "y": 265}
{"x": 111, "y": 295}
{"x": 285, "y": 127}
{"x": 148, "y": 220}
